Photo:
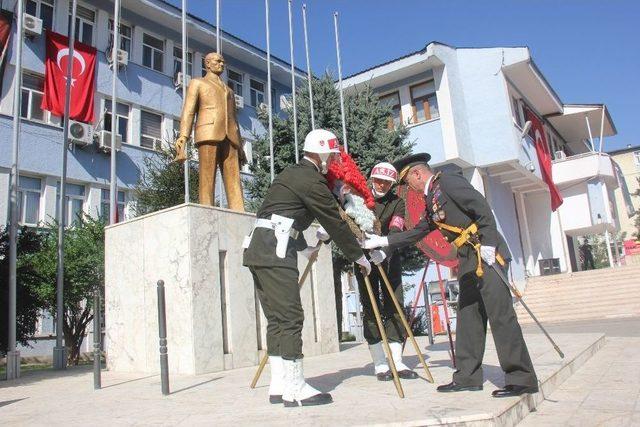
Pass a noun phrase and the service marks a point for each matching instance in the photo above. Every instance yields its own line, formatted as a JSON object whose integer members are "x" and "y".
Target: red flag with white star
{"x": 82, "y": 78}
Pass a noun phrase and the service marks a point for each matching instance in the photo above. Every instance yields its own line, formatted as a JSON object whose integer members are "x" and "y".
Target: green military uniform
{"x": 389, "y": 211}
{"x": 300, "y": 193}
{"x": 452, "y": 200}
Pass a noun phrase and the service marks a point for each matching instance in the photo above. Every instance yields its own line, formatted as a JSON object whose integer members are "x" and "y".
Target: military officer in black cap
{"x": 296, "y": 197}
{"x": 462, "y": 213}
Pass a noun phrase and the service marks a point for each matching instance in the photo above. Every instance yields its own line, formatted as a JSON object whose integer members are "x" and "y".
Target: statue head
{"x": 214, "y": 62}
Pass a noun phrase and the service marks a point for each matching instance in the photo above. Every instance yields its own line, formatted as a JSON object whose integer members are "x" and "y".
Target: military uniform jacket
{"x": 300, "y": 192}
{"x": 390, "y": 212}
{"x": 461, "y": 205}
{"x": 215, "y": 104}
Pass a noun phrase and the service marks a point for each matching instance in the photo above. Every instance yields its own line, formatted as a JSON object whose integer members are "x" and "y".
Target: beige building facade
{"x": 628, "y": 161}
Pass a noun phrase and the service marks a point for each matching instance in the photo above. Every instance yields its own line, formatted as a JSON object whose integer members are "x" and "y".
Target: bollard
{"x": 162, "y": 326}
{"x": 97, "y": 338}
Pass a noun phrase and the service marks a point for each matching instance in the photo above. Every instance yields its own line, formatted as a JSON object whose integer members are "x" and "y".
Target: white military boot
{"x": 296, "y": 391}
{"x": 380, "y": 364}
{"x": 276, "y": 386}
{"x": 403, "y": 370}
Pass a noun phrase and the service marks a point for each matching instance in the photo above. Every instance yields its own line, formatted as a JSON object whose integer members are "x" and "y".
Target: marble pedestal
{"x": 214, "y": 321}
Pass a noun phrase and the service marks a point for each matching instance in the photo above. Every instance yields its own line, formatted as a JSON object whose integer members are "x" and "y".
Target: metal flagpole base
{"x": 13, "y": 365}
{"x": 59, "y": 357}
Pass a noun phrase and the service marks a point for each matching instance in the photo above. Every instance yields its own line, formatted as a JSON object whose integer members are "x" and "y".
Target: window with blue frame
{"x": 42, "y": 9}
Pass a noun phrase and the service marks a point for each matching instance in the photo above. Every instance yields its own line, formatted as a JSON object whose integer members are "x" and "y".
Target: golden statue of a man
{"x": 217, "y": 135}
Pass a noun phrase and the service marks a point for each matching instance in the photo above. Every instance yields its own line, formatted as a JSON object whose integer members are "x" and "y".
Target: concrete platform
{"x": 53, "y": 398}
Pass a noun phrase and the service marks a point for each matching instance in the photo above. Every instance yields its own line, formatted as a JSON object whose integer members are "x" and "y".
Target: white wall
{"x": 575, "y": 212}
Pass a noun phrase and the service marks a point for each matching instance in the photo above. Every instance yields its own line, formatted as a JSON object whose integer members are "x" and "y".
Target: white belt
{"x": 267, "y": 223}
{"x": 283, "y": 229}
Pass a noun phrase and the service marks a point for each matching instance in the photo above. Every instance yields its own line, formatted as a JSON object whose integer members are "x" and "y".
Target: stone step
{"x": 587, "y": 274}
{"x": 627, "y": 276}
{"x": 580, "y": 294}
{"x": 586, "y": 312}
{"x": 524, "y": 318}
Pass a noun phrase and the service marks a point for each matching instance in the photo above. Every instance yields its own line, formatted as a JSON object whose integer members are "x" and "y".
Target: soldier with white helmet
{"x": 298, "y": 196}
{"x": 389, "y": 210}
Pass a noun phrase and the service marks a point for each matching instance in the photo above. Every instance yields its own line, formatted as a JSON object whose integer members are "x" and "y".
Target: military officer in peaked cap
{"x": 296, "y": 197}
{"x": 454, "y": 207}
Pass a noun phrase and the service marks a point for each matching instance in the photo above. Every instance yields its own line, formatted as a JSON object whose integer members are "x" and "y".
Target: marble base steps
{"x": 593, "y": 294}
{"x": 518, "y": 408}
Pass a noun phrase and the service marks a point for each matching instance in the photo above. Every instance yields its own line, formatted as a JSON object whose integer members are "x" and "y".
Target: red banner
{"x": 82, "y": 78}
{"x": 544, "y": 157}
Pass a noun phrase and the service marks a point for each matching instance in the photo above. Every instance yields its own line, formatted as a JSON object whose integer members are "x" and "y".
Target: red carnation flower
{"x": 348, "y": 172}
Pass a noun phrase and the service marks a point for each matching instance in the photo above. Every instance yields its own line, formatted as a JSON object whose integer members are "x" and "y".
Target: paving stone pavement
{"x": 605, "y": 391}
{"x": 53, "y": 398}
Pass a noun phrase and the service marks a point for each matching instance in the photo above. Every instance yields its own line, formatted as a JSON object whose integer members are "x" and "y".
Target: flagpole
{"x": 59, "y": 351}
{"x": 293, "y": 87}
{"x": 269, "y": 100}
{"x": 306, "y": 48}
{"x": 13, "y": 354}
{"x": 218, "y": 26}
{"x": 113, "y": 187}
{"x": 342, "y": 113}
{"x": 187, "y": 171}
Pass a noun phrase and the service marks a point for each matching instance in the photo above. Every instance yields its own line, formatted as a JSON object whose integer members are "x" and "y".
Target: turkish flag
{"x": 82, "y": 78}
{"x": 544, "y": 157}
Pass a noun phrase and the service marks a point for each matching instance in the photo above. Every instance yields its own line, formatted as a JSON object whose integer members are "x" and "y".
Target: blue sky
{"x": 587, "y": 49}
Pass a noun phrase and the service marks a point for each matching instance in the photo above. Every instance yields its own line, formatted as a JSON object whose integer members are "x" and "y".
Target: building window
{"x": 392, "y": 101}
{"x": 29, "y": 193}
{"x": 85, "y": 20}
{"x": 150, "y": 129}
{"x": 125, "y": 37}
{"x": 122, "y": 116}
{"x": 176, "y": 128}
{"x": 177, "y": 61}
{"x": 74, "y": 195}
{"x": 204, "y": 66}
{"x": 42, "y": 9}
{"x": 32, "y": 93}
{"x": 256, "y": 91}
{"x": 152, "y": 52}
{"x": 636, "y": 158}
{"x": 234, "y": 80}
{"x": 105, "y": 204}
{"x": 424, "y": 102}
{"x": 517, "y": 113}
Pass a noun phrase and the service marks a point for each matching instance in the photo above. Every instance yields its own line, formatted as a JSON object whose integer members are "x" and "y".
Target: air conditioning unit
{"x": 263, "y": 107}
{"x": 104, "y": 141}
{"x": 178, "y": 78}
{"x": 80, "y": 133}
{"x": 32, "y": 25}
{"x": 286, "y": 102}
{"x": 560, "y": 155}
{"x": 239, "y": 101}
{"x": 123, "y": 57}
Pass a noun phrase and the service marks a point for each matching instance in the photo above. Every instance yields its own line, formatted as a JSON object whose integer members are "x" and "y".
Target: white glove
{"x": 488, "y": 254}
{"x": 322, "y": 235}
{"x": 309, "y": 251}
{"x": 373, "y": 241}
{"x": 365, "y": 265}
{"x": 376, "y": 256}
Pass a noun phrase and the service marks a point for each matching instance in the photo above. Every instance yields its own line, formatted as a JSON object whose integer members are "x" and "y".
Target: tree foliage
{"x": 161, "y": 184}
{"x": 28, "y": 302}
{"x": 83, "y": 275}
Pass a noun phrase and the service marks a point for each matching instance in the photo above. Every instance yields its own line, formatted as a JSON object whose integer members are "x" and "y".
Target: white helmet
{"x": 384, "y": 171}
{"x": 323, "y": 143}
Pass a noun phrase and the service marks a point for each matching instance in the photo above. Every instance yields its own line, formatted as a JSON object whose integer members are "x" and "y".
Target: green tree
{"x": 83, "y": 275}
{"x": 369, "y": 140}
{"x": 161, "y": 183}
{"x": 28, "y": 303}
